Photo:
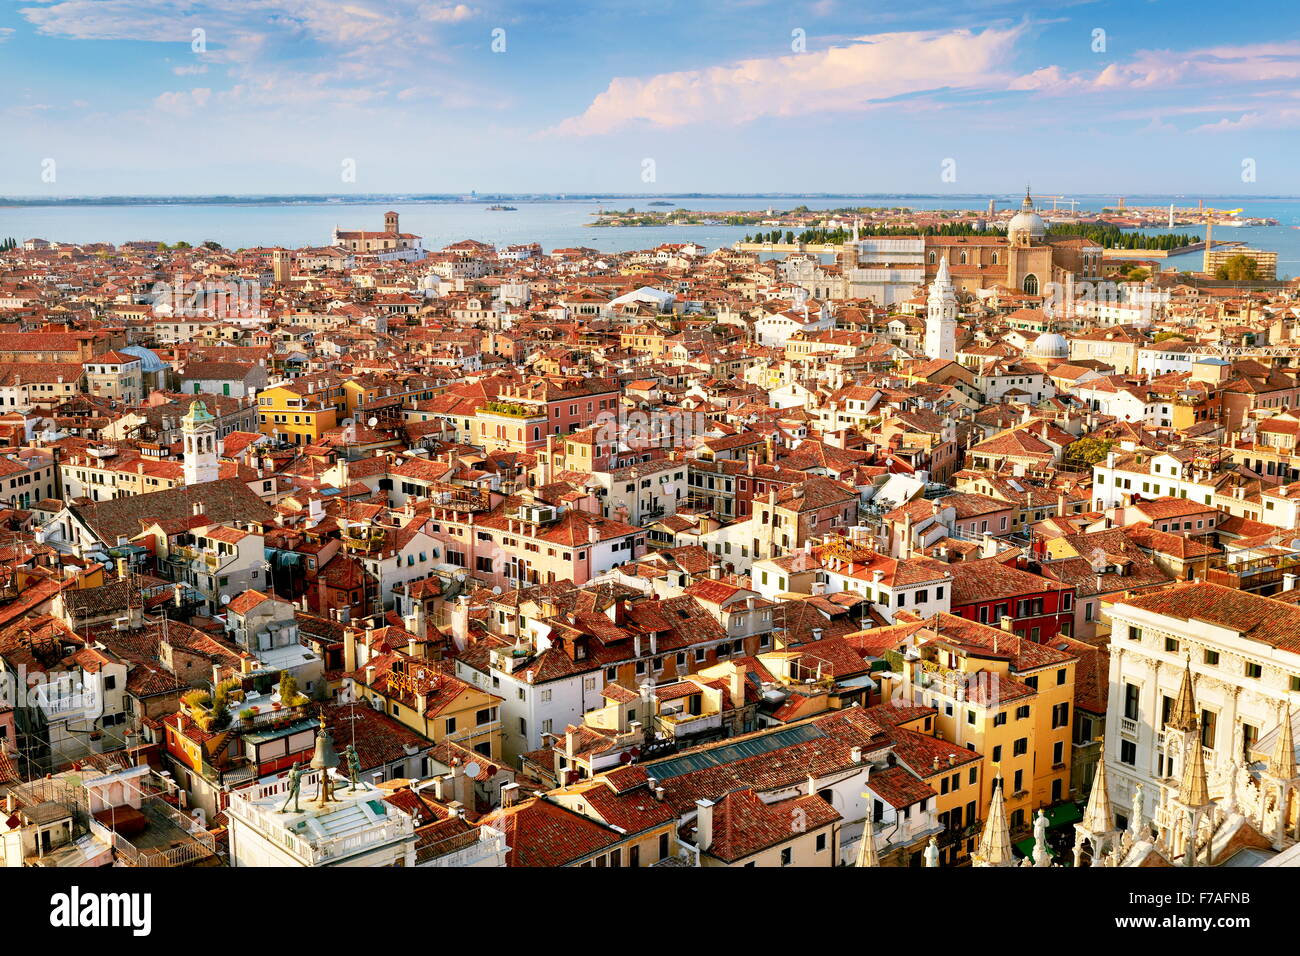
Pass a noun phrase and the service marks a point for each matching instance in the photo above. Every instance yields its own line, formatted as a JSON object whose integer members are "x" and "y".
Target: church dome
{"x": 1026, "y": 223}
{"x": 1050, "y": 345}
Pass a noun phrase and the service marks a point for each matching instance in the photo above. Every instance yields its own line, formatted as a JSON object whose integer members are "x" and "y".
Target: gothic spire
{"x": 867, "y": 855}
{"x": 1098, "y": 815}
{"x": 1282, "y": 763}
{"x": 995, "y": 842}
{"x": 1195, "y": 789}
{"x": 1184, "y": 716}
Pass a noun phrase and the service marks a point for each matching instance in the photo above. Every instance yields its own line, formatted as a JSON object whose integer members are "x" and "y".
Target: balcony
{"x": 1128, "y": 729}
{"x": 1255, "y": 574}
{"x": 684, "y": 724}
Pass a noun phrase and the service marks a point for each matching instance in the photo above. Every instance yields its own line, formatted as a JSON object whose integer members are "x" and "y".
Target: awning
{"x": 1026, "y": 848}
{"x": 1062, "y": 814}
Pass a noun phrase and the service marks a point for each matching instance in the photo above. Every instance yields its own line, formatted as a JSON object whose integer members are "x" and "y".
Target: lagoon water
{"x": 553, "y": 223}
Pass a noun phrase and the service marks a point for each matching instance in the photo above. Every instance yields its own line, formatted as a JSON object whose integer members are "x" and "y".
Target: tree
{"x": 1238, "y": 268}
{"x": 212, "y": 244}
{"x": 289, "y": 695}
{"x": 1089, "y": 451}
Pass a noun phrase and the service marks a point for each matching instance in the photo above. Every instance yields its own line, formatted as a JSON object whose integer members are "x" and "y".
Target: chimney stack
{"x": 704, "y": 824}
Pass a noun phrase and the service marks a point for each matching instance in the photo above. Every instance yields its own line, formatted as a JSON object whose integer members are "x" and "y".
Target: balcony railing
{"x": 1128, "y": 728}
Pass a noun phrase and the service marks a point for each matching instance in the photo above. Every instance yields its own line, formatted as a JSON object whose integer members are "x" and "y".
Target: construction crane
{"x": 1062, "y": 200}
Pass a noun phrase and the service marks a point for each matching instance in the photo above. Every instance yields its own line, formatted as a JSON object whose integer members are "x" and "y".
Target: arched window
{"x": 931, "y": 257}
{"x": 1031, "y": 284}
{"x": 995, "y": 258}
{"x": 963, "y": 257}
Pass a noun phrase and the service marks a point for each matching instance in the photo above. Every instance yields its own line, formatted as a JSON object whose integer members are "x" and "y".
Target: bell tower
{"x": 941, "y": 316}
{"x": 199, "y": 434}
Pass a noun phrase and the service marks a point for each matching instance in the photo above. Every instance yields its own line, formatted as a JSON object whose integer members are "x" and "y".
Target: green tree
{"x": 1238, "y": 268}
{"x": 1089, "y": 451}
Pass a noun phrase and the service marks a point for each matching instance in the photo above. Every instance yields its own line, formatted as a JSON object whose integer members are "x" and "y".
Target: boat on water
{"x": 502, "y": 209}
{"x": 661, "y": 203}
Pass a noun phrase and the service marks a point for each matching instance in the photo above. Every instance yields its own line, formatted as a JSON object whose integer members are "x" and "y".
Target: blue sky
{"x": 732, "y": 95}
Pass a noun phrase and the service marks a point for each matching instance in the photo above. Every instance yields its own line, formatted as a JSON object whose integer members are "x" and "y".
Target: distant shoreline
{"x": 323, "y": 199}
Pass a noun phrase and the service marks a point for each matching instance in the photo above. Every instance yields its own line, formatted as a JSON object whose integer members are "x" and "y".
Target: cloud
{"x": 853, "y": 77}
{"x": 194, "y": 70}
{"x": 1170, "y": 69}
{"x": 183, "y": 102}
{"x": 6, "y": 33}
{"x": 447, "y": 12}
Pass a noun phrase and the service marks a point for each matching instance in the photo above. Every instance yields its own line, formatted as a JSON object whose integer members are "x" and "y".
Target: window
{"x": 1253, "y": 669}
{"x": 1209, "y": 722}
{"x": 1022, "y": 712}
{"x": 997, "y": 754}
{"x": 1212, "y": 657}
{"x": 1132, "y": 695}
{"x": 1020, "y": 748}
{"x": 787, "y": 856}
{"x": 1060, "y": 715}
{"x": 1134, "y": 633}
{"x": 1128, "y": 752}
{"x": 1060, "y": 676}
{"x": 1000, "y": 719}
{"x": 1249, "y": 735}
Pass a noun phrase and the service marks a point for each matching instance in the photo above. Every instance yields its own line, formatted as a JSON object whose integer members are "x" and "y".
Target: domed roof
{"x": 1050, "y": 345}
{"x": 1027, "y": 221}
{"x": 199, "y": 412}
{"x": 149, "y": 361}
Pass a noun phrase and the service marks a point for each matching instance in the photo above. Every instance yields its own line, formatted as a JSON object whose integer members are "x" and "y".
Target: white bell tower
{"x": 941, "y": 316}
{"x": 199, "y": 431}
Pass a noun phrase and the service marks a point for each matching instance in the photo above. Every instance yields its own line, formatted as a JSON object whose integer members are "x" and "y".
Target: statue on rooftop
{"x": 295, "y": 785}
{"x": 354, "y": 767}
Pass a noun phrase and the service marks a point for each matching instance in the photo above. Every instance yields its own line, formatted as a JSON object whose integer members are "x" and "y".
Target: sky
{"x": 166, "y": 97}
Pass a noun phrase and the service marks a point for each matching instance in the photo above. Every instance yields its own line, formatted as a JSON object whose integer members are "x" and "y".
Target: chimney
{"x": 738, "y": 674}
{"x": 1006, "y": 623}
{"x": 1288, "y": 581}
{"x": 856, "y": 754}
{"x": 509, "y": 793}
{"x": 413, "y": 648}
{"x": 197, "y": 508}
{"x": 704, "y": 824}
{"x": 349, "y": 650}
{"x": 460, "y": 621}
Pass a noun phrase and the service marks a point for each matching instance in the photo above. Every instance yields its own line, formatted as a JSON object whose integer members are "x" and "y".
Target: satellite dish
{"x": 496, "y": 589}
{"x": 373, "y": 421}
{"x": 225, "y": 599}
{"x": 472, "y": 769}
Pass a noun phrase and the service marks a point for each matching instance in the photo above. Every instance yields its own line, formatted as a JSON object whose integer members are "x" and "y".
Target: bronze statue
{"x": 295, "y": 784}
{"x": 354, "y": 767}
